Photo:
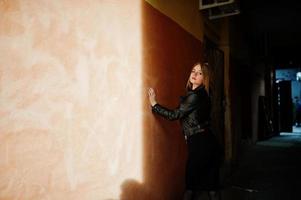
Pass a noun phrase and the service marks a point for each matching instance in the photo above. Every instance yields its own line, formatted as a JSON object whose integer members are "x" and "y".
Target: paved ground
{"x": 269, "y": 170}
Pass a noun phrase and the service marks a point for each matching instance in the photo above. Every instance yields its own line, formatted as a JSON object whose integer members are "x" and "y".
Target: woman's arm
{"x": 185, "y": 107}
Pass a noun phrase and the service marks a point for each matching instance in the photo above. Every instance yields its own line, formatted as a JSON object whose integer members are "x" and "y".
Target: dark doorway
{"x": 285, "y": 106}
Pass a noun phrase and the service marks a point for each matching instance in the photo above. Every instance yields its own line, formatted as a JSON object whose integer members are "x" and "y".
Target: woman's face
{"x": 196, "y": 76}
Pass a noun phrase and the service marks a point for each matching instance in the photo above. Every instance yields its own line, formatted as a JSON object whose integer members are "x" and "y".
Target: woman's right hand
{"x": 152, "y": 96}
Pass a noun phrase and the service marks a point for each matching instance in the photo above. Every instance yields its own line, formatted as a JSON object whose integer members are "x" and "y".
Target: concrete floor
{"x": 269, "y": 170}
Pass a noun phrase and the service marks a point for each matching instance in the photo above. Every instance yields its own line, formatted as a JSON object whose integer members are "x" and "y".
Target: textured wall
{"x": 75, "y": 122}
{"x": 70, "y": 98}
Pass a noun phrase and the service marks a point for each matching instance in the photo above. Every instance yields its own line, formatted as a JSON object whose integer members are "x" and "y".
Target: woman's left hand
{"x": 152, "y": 96}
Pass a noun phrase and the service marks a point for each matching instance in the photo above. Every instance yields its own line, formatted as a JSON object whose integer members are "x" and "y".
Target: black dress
{"x": 202, "y": 167}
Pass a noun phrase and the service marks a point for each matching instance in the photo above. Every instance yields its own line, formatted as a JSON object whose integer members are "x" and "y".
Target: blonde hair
{"x": 205, "y": 71}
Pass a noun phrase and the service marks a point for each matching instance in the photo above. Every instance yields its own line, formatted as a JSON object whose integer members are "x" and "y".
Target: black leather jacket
{"x": 193, "y": 111}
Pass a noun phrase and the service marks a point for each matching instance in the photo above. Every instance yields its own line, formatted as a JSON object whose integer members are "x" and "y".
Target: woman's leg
{"x": 197, "y": 195}
{"x": 214, "y": 195}
{"x": 188, "y": 195}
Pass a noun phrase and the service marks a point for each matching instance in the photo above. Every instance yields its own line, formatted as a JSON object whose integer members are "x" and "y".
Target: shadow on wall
{"x": 134, "y": 190}
{"x": 168, "y": 54}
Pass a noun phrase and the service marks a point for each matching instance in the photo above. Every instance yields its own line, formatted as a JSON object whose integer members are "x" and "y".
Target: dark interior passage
{"x": 269, "y": 170}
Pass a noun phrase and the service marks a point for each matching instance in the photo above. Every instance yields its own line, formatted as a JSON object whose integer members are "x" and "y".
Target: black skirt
{"x": 202, "y": 167}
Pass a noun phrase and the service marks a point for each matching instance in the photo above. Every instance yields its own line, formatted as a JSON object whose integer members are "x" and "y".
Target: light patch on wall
{"x": 70, "y": 98}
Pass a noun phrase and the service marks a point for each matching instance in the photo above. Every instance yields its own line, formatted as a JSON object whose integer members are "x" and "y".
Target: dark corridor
{"x": 269, "y": 170}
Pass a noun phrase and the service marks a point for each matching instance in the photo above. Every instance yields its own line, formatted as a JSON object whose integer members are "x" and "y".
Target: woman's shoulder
{"x": 190, "y": 96}
{"x": 194, "y": 94}
{"x": 201, "y": 92}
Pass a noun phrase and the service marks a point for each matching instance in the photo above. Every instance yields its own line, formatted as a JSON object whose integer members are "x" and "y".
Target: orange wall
{"x": 168, "y": 54}
{"x": 185, "y": 13}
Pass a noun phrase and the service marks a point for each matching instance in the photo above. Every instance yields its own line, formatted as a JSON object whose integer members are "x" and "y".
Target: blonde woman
{"x": 202, "y": 167}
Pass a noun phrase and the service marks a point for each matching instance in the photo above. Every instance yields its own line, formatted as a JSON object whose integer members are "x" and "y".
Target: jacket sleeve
{"x": 184, "y": 109}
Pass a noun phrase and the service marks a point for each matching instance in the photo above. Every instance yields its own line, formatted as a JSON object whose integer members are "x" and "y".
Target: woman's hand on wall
{"x": 152, "y": 96}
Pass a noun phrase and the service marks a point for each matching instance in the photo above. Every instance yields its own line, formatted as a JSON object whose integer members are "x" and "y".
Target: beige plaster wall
{"x": 70, "y": 77}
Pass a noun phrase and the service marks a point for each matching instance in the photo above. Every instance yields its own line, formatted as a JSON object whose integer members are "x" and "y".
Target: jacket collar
{"x": 196, "y": 90}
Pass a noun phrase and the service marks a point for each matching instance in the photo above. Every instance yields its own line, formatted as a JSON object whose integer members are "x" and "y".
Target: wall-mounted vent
{"x": 223, "y": 11}
{"x": 205, "y": 4}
